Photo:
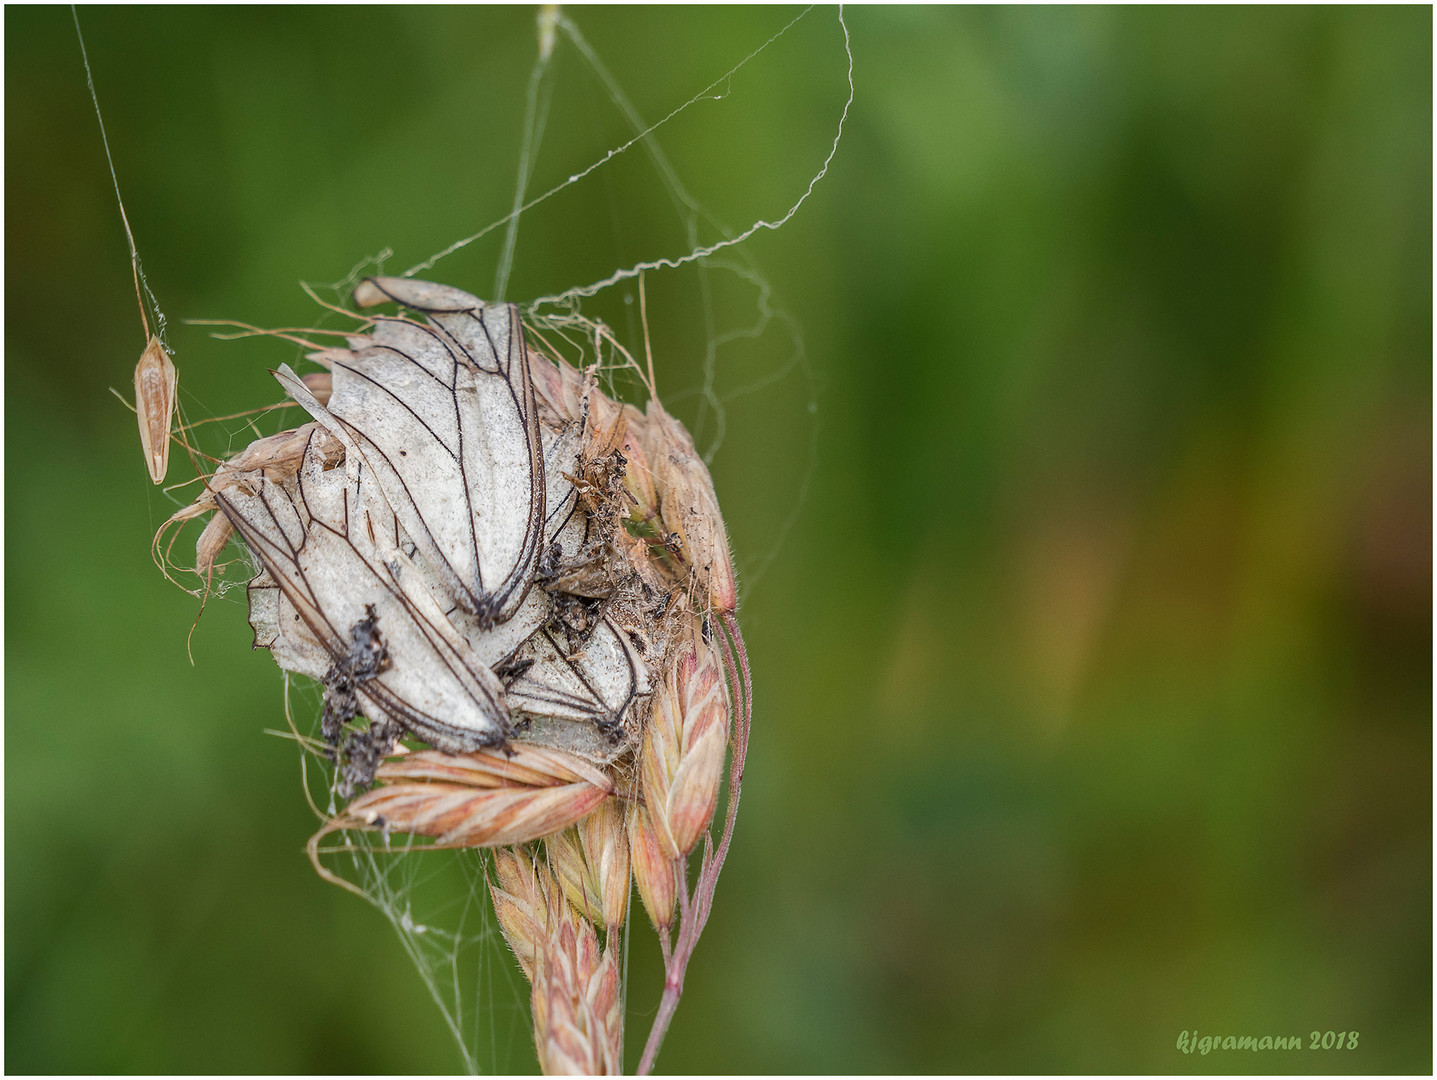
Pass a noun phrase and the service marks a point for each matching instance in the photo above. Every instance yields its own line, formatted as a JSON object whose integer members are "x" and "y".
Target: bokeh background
{"x": 1090, "y": 607}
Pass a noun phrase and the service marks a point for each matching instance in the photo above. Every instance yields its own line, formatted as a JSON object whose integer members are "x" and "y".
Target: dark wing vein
{"x": 494, "y": 574}
{"x": 366, "y": 581}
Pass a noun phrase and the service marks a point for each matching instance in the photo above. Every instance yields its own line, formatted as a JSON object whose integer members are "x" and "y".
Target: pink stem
{"x": 696, "y": 915}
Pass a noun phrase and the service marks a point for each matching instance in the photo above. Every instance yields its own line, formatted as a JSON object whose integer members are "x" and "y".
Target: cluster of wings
{"x": 414, "y": 559}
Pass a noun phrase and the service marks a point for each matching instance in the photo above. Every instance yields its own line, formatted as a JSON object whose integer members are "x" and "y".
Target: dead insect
{"x": 443, "y": 414}
{"x": 367, "y": 658}
{"x": 333, "y": 570}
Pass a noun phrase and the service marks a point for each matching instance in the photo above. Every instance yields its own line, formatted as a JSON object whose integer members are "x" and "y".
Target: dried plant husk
{"x": 689, "y": 512}
{"x": 576, "y": 1005}
{"x": 578, "y": 1017}
{"x": 212, "y": 540}
{"x": 638, "y": 476}
{"x": 606, "y": 851}
{"x": 521, "y": 892}
{"x": 487, "y": 798}
{"x": 682, "y": 757}
{"x": 654, "y": 869}
{"x": 155, "y": 382}
{"x": 577, "y": 878}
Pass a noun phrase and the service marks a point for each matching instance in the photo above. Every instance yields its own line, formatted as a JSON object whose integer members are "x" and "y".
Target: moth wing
{"x": 444, "y": 414}
{"x": 597, "y": 686}
{"x": 413, "y": 293}
{"x": 278, "y": 627}
{"x": 565, "y": 523}
{"x": 505, "y": 435}
{"x": 328, "y": 545}
{"x": 490, "y": 645}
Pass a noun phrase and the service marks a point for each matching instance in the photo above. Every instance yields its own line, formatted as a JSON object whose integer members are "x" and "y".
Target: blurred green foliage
{"x": 1094, "y": 674}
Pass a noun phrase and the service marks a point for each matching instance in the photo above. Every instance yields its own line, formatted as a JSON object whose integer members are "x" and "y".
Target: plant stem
{"x": 695, "y": 913}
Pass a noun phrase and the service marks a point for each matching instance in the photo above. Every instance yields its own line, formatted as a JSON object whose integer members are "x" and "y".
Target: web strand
{"x": 706, "y": 93}
{"x": 536, "y": 112}
{"x": 711, "y": 249}
{"x": 142, "y": 286}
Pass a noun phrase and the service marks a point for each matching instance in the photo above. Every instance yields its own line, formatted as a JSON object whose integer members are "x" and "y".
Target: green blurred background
{"x": 1093, "y": 674}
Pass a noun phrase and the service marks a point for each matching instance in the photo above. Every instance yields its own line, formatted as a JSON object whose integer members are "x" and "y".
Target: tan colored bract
{"x": 155, "y": 381}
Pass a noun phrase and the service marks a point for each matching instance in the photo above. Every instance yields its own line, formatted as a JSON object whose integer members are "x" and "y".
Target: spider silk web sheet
{"x": 706, "y": 299}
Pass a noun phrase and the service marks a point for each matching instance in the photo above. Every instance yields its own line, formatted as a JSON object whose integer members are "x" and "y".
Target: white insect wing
{"x": 279, "y": 628}
{"x": 331, "y": 547}
{"x": 444, "y": 415}
{"x": 565, "y": 526}
{"x": 565, "y": 523}
{"x": 453, "y": 501}
{"x": 597, "y": 683}
{"x": 493, "y": 645}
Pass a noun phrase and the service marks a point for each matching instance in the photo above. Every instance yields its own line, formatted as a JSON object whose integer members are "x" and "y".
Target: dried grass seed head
{"x": 681, "y": 761}
{"x": 155, "y": 382}
{"x": 577, "y": 1007}
{"x": 485, "y": 799}
{"x": 655, "y": 870}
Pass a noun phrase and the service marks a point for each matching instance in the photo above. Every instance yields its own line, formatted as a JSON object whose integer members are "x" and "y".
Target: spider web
{"x": 437, "y": 901}
{"x": 712, "y": 250}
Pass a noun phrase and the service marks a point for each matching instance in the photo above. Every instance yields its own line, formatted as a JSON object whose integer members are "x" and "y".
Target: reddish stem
{"x": 696, "y": 913}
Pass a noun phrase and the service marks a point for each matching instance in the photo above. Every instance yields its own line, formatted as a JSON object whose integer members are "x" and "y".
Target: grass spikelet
{"x": 654, "y": 870}
{"x": 482, "y": 799}
{"x": 606, "y": 850}
{"x": 577, "y": 878}
{"x": 521, "y": 904}
{"x": 155, "y": 381}
{"x": 578, "y": 1019}
{"x": 683, "y": 751}
{"x": 688, "y": 510}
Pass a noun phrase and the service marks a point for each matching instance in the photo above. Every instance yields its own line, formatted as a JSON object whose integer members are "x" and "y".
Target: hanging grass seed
{"x": 518, "y": 596}
{"x": 156, "y": 378}
{"x": 155, "y": 383}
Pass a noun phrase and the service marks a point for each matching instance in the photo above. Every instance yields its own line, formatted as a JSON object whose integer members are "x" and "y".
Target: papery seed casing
{"x": 155, "y": 380}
